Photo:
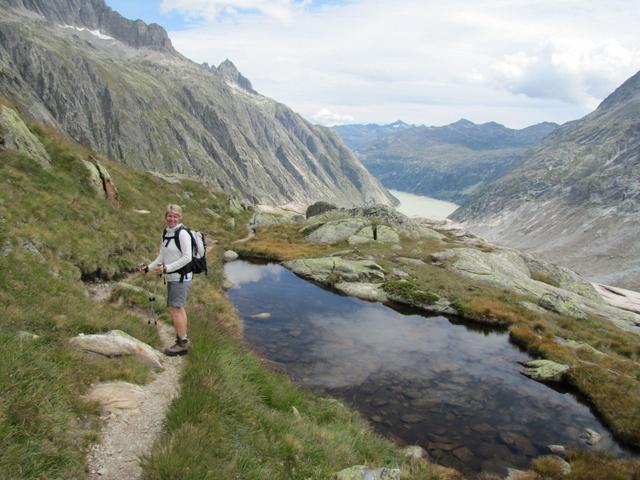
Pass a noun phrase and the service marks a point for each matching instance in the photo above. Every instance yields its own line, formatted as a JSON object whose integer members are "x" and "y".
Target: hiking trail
{"x": 130, "y": 429}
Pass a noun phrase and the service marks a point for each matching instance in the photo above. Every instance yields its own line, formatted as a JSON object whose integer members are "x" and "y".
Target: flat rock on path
{"x": 133, "y": 417}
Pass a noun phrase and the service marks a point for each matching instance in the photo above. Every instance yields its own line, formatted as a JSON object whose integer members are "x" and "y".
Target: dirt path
{"x": 129, "y": 433}
{"x": 250, "y": 234}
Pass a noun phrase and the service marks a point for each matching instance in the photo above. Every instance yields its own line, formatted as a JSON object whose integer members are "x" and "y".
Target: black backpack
{"x": 198, "y": 262}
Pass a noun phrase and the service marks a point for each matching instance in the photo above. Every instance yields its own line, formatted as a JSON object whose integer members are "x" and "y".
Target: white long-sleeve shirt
{"x": 170, "y": 255}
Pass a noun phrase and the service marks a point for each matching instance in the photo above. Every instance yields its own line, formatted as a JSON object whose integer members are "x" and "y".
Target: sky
{"x": 516, "y": 62}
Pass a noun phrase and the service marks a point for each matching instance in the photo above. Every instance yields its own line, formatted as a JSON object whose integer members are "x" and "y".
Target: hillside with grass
{"x": 234, "y": 417}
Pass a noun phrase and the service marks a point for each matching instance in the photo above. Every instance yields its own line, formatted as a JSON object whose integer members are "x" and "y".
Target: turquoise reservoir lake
{"x": 420, "y": 206}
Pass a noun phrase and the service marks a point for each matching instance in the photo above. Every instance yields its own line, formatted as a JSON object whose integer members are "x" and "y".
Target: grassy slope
{"x": 611, "y": 381}
{"x": 234, "y": 417}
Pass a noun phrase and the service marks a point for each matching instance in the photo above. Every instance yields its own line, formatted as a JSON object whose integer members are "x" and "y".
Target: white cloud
{"x": 513, "y": 61}
{"x": 580, "y": 74}
{"x": 327, "y": 117}
{"x": 213, "y": 10}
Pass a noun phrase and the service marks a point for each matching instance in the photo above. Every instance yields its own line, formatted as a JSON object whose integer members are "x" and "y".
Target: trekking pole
{"x": 152, "y": 298}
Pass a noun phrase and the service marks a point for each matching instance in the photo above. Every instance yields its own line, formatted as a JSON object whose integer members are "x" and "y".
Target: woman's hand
{"x": 159, "y": 269}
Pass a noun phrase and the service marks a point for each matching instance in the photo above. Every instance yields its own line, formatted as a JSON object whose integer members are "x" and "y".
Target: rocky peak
{"x": 625, "y": 93}
{"x": 399, "y": 124}
{"x": 463, "y": 123}
{"x": 228, "y": 71}
{"x": 96, "y": 15}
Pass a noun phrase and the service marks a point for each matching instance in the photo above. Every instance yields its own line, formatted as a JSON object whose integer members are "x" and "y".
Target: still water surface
{"x": 420, "y": 206}
{"x": 448, "y": 386}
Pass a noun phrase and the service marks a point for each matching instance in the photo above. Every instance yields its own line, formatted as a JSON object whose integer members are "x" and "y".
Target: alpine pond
{"x": 449, "y": 386}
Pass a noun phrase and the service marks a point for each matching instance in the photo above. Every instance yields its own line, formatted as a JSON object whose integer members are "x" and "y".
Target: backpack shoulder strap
{"x": 177, "y": 237}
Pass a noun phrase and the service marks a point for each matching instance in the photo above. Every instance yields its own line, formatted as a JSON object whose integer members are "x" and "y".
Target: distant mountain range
{"x": 575, "y": 198}
{"x": 449, "y": 162}
{"x": 119, "y": 87}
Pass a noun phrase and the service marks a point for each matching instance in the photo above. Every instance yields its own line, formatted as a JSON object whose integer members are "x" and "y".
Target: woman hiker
{"x": 173, "y": 257}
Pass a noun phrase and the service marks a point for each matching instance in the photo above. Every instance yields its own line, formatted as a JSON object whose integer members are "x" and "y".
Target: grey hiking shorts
{"x": 177, "y": 293}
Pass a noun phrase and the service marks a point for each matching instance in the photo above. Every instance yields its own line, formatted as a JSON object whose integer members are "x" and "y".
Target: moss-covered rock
{"x": 375, "y": 233}
{"x": 360, "y": 472}
{"x": 332, "y": 270}
{"x": 17, "y": 136}
{"x": 508, "y": 269}
{"x": 337, "y": 230}
{"x": 544, "y": 370}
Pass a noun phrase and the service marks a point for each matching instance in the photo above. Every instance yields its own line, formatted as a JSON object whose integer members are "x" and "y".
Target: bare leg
{"x": 179, "y": 316}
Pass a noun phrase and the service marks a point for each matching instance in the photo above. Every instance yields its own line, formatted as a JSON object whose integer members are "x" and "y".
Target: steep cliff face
{"x": 119, "y": 87}
{"x": 449, "y": 162}
{"x": 576, "y": 197}
{"x": 96, "y": 15}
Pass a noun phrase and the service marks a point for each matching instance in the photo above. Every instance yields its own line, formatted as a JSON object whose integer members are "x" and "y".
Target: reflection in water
{"x": 241, "y": 272}
{"x": 428, "y": 381}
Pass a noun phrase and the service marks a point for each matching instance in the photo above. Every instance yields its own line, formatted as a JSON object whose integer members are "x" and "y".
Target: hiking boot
{"x": 181, "y": 347}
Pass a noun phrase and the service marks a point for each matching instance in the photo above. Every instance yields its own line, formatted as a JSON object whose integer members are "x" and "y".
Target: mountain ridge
{"x": 151, "y": 108}
{"x": 575, "y": 198}
{"x": 448, "y": 162}
{"x": 95, "y": 14}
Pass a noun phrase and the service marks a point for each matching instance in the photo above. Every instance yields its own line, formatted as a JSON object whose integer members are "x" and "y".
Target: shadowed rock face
{"x": 138, "y": 101}
{"x": 575, "y": 199}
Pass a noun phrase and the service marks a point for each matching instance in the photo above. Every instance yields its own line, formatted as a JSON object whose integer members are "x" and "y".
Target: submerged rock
{"x": 591, "y": 436}
{"x": 415, "y": 451}
{"x": 360, "y": 472}
{"x": 518, "y": 442}
{"x": 557, "y": 449}
{"x": 544, "y": 370}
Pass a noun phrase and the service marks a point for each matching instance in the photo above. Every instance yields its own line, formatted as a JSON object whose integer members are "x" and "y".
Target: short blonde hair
{"x": 173, "y": 208}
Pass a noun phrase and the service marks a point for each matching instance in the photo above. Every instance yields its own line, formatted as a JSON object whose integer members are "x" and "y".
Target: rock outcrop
{"x": 364, "y": 224}
{"x": 574, "y": 200}
{"x": 119, "y": 87}
{"x": 332, "y": 270}
{"x": 505, "y": 268}
{"x": 117, "y": 343}
{"x": 100, "y": 181}
{"x": 15, "y": 135}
